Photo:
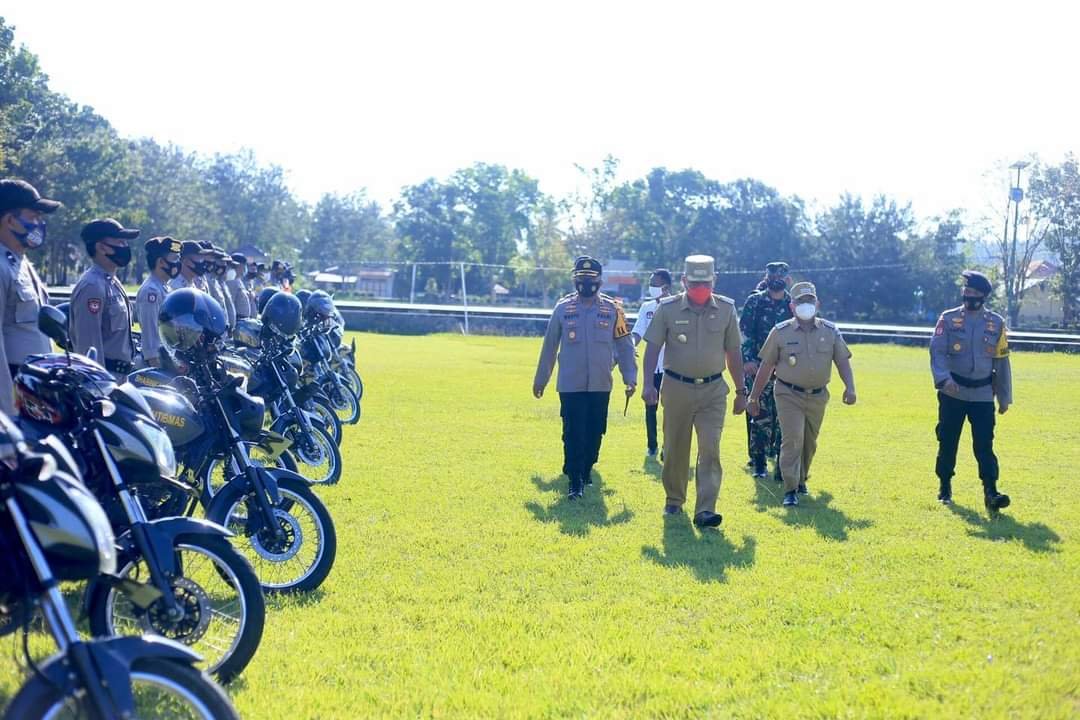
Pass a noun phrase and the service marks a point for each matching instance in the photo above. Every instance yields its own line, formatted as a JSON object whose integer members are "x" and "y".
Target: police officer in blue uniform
{"x": 969, "y": 359}
{"x": 588, "y": 332}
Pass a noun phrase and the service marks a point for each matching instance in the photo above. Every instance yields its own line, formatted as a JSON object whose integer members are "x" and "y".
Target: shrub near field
{"x": 467, "y": 586}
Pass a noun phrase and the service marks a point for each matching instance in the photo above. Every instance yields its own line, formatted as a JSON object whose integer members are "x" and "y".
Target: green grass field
{"x": 467, "y": 586}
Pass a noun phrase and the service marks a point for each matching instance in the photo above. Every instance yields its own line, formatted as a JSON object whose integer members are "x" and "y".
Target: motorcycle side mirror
{"x": 53, "y": 324}
{"x": 92, "y": 353}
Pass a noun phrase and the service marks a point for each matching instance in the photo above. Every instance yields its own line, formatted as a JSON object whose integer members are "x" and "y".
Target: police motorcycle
{"x": 281, "y": 526}
{"x": 276, "y": 379}
{"x": 248, "y": 346}
{"x": 52, "y": 531}
{"x": 318, "y": 349}
{"x": 190, "y": 584}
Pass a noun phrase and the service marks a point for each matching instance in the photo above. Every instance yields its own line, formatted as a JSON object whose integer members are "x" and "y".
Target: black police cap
{"x": 106, "y": 228}
{"x": 19, "y": 194}
{"x": 586, "y": 266}
{"x": 977, "y": 281}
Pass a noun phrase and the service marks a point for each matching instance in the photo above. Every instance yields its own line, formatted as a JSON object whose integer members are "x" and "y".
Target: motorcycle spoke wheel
{"x": 280, "y": 563}
{"x": 208, "y": 592}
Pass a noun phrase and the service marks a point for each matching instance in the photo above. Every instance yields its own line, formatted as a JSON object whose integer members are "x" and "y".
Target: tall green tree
{"x": 1055, "y": 199}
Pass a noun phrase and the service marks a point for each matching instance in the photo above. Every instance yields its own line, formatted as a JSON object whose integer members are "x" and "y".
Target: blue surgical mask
{"x": 33, "y": 234}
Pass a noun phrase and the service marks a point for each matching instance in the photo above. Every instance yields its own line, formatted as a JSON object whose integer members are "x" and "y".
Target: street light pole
{"x": 1018, "y": 275}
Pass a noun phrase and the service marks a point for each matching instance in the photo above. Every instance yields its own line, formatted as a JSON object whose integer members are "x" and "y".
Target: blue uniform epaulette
{"x": 724, "y": 298}
{"x": 828, "y": 323}
{"x": 787, "y": 323}
{"x": 670, "y": 299}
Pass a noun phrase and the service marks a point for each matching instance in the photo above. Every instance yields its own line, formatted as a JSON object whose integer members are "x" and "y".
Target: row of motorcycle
{"x": 177, "y": 498}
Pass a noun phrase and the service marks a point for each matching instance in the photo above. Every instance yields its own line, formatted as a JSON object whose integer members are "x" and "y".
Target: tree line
{"x": 871, "y": 259}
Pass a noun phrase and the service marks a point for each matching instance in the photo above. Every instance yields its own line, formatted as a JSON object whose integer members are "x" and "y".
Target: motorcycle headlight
{"x": 162, "y": 447}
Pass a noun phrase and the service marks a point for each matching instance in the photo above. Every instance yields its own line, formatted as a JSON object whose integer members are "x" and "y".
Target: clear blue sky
{"x": 915, "y": 99}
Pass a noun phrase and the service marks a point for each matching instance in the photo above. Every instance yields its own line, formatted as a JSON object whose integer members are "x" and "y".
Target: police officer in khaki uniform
{"x": 801, "y": 351}
{"x": 215, "y": 280}
{"x": 969, "y": 359}
{"x": 588, "y": 330}
{"x": 100, "y": 316}
{"x": 22, "y": 226}
{"x": 163, "y": 259}
{"x": 234, "y": 282}
{"x": 192, "y": 268}
{"x": 699, "y": 331}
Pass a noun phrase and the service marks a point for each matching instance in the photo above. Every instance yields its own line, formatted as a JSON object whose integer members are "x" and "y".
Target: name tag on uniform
{"x": 682, "y": 322}
{"x": 793, "y": 342}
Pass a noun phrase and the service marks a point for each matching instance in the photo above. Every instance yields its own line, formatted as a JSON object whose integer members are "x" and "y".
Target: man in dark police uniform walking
{"x": 589, "y": 333}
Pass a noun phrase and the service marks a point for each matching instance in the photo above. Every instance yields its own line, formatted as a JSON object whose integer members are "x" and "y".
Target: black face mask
{"x": 199, "y": 268}
{"x": 121, "y": 256}
{"x": 973, "y": 303}
{"x": 172, "y": 269}
{"x": 777, "y": 284}
{"x": 587, "y": 289}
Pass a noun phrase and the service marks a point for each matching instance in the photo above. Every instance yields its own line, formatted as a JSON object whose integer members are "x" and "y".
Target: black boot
{"x": 994, "y": 500}
{"x": 761, "y": 470}
{"x": 944, "y": 495}
{"x": 576, "y": 488}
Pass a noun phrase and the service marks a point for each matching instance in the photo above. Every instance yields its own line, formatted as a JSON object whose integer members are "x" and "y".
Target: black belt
{"x": 969, "y": 383}
{"x": 797, "y": 388}
{"x": 693, "y": 381}
{"x": 121, "y": 367}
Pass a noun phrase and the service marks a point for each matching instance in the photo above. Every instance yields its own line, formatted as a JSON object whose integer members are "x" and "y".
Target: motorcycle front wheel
{"x": 216, "y": 588}
{"x": 163, "y": 689}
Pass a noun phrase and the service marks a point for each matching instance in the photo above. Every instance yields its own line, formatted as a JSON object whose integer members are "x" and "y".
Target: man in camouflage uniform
{"x": 588, "y": 330}
{"x": 763, "y": 310}
{"x": 969, "y": 359}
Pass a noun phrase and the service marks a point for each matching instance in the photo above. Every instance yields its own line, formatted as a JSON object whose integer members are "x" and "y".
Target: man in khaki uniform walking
{"x": 698, "y": 330}
{"x": 801, "y": 351}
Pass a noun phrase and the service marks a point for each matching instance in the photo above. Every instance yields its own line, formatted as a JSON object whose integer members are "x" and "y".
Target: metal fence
{"x": 404, "y": 317}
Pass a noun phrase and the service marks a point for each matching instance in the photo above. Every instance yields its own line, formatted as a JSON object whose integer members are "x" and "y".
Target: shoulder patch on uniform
{"x": 93, "y": 305}
{"x": 724, "y": 298}
{"x": 151, "y": 297}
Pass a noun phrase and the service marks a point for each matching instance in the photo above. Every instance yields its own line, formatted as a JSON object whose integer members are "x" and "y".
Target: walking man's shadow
{"x": 813, "y": 511}
{"x": 576, "y": 517}
{"x": 1036, "y": 537}
{"x": 709, "y": 554}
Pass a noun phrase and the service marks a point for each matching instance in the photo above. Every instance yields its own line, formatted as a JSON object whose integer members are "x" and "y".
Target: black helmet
{"x": 302, "y": 296}
{"x": 265, "y": 294}
{"x": 247, "y": 332}
{"x": 190, "y": 318}
{"x": 281, "y": 314}
{"x": 319, "y": 307}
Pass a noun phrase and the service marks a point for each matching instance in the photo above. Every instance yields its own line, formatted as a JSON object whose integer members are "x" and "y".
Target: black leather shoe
{"x": 576, "y": 490}
{"x": 995, "y": 502}
{"x": 672, "y": 509}
{"x": 944, "y": 495}
{"x": 588, "y": 476}
{"x": 802, "y": 489}
{"x": 791, "y": 499}
{"x": 708, "y": 519}
{"x": 761, "y": 470}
